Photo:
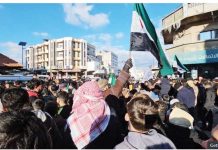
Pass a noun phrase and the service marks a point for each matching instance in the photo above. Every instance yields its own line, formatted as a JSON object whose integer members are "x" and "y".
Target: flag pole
{"x": 130, "y": 54}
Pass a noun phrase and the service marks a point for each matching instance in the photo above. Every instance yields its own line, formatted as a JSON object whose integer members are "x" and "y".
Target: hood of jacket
{"x": 150, "y": 140}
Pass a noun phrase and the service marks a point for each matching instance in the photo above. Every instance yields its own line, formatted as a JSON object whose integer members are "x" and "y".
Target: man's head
{"x": 15, "y": 99}
{"x": 35, "y": 85}
{"x": 38, "y": 104}
{"x": 23, "y": 130}
{"x": 51, "y": 108}
{"x": 54, "y": 88}
{"x": 103, "y": 84}
{"x": 142, "y": 113}
{"x": 156, "y": 89}
{"x": 190, "y": 82}
{"x": 208, "y": 84}
{"x": 62, "y": 98}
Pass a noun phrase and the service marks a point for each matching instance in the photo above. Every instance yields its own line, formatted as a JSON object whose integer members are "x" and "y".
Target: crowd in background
{"x": 160, "y": 113}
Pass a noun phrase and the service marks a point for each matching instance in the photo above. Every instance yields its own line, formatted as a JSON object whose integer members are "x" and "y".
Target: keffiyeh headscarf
{"x": 90, "y": 114}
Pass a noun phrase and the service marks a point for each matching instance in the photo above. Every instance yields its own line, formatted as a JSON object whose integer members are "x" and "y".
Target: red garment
{"x": 32, "y": 94}
{"x": 90, "y": 114}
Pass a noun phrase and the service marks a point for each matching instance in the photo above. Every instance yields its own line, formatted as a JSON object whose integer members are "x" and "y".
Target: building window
{"x": 78, "y": 45}
{"x": 77, "y": 54}
{"x": 208, "y": 35}
{"x": 60, "y": 45}
{"x": 73, "y": 44}
{"x": 60, "y": 64}
{"x": 60, "y": 54}
{"x": 215, "y": 34}
{"x": 74, "y": 53}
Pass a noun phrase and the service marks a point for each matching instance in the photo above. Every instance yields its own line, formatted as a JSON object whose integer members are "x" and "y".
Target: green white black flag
{"x": 144, "y": 38}
{"x": 180, "y": 67}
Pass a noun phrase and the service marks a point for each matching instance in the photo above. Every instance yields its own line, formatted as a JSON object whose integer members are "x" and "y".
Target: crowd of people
{"x": 160, "y": 113}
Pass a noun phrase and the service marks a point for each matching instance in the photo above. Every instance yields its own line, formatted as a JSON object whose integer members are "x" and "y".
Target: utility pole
{"x": 22, "y": 44}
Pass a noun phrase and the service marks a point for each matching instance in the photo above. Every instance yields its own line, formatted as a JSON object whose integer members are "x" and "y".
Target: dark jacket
{"x": 180, "y": 136}
{"x": 52, "y": 128}
{"x": 210, "y": 98}
{"x": 201, "y": 98}
{"x": 64, "y": 111}
{"x": 65, "y": 132}
{"x": 173, "y": 92}
{"x": 151, "y": 140}
{"x": 211, "y": 119}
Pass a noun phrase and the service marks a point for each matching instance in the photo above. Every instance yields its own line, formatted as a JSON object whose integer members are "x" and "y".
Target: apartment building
{"x": 109, "y": 61}
{"x": 66, "y": 55}
{"x": 192, "y": 32}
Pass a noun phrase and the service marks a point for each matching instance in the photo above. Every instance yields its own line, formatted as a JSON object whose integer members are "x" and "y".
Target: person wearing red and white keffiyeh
{"x": 91, "y": 115}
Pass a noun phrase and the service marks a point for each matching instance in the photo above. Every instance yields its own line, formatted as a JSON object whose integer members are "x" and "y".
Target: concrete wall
{"x": 190, "y": 34}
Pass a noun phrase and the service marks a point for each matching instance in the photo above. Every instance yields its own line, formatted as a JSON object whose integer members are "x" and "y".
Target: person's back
{"x": 211, "y": 118}
{"x": 180, "y": 136}
{"x": 52, "y": 108}
{"x": 165, "y": 86}
{"x": 210, "y": 98}
{"x": 186, "y": 96}
{"x": 64, "y": 110}
{"x": 23, "y": 130}
{"x": 178, "y": 129}
{"x": 48, "y": 121}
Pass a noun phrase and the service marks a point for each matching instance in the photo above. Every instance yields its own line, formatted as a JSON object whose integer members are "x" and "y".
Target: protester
{"x": 158, "y": 113}
{"x": 165, "y": 86}
{"x": 94, "y": 114}
{"x": 52, "y": 108}
{"x": 15, "y": 99}
{"x": 213, "y": 140}
{"x": 35, "y": 87}
{"x": 64, "y": 109}
{"x": 187, "y": 96}
{"x": 141, "y": 115}
{"x": 210, "y": 95}
{"x": 211, "y": 118}
{"x": 23, "y": 130}
{"x": 180, "y": 122}
{"x": 103, "y": 84}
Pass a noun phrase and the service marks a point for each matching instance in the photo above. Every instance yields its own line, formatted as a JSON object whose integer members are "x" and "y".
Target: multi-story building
{"x": 67, "y": 55}
{"x": 109, "y": 61}
{"x": 192, "y": 31}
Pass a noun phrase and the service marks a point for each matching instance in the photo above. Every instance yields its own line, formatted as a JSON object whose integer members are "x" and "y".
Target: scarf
{"x": 90, "y": 114}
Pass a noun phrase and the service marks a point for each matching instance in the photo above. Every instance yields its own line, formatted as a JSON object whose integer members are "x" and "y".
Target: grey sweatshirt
{"x": 152, "y": 140}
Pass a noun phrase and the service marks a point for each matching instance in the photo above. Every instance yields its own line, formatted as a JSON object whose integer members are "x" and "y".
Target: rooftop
{"x": 6, "y": 62}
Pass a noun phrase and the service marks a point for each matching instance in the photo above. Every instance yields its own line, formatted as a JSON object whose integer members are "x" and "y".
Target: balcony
{"x": 60, "y": 58}
{"x": 59, "y": 49}
{"x": 40, "y": 60}
{"x": 76, "y": 58}
{"x": 77, "y": 49}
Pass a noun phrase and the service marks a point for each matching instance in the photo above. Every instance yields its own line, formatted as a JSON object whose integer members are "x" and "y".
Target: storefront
{"x": 205, "y": 61}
